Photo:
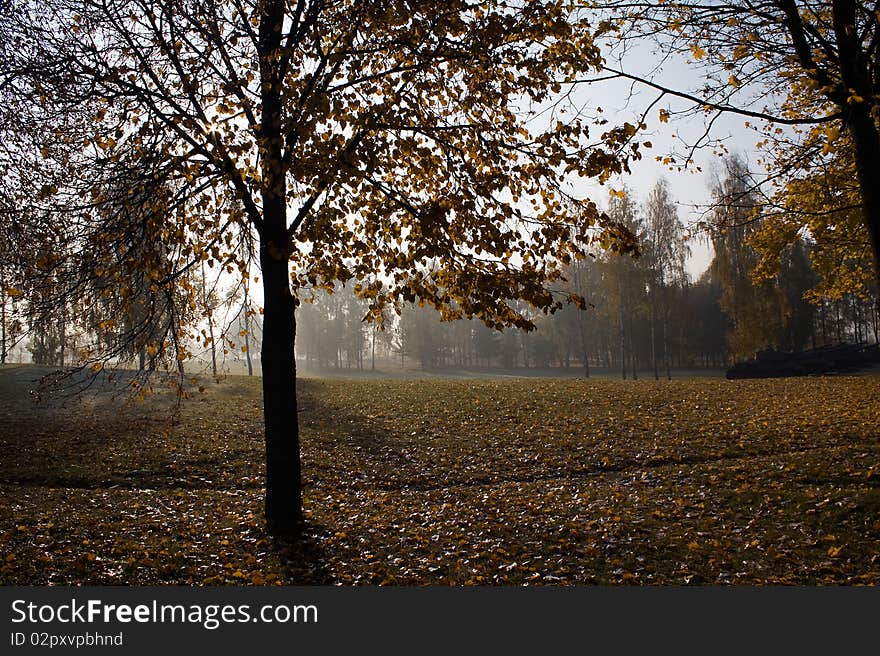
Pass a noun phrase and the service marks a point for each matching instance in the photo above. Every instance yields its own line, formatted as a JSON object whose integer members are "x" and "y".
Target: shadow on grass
{"x": 114, "y": 497}
{"x": 303, "y": 559}
{"x": 366, "y": 453}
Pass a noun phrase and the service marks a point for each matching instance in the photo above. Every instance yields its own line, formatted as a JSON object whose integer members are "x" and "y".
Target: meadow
{"x": 439, "y": 481}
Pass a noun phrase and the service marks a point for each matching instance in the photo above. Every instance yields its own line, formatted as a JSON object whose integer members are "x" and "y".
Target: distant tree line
{"x": 640, "y": 316}
{"x": 764, "y": 288}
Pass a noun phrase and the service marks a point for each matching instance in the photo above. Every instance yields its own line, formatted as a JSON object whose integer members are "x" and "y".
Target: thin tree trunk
{"x": 2, "y": 317}
{"x": 247, "y": 350}
{"x": 209, "y": 311}
{"x": 632, "y": 349}
{"x": 654, "y": 342}
{"x": 247, "y": 331}
{"x": 839, "y": 323}
{"x": 824, "y": 316}
{"x": 175, "y": 338}
{"x": 633, "y": 361}
{"x": 874, "y": 322}
{"x": 584, "y": 352}
{"x": 666, "y": 349}
{"x": 63, "y": 337}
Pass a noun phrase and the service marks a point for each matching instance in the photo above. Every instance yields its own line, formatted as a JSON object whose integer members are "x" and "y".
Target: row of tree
{"x": 639, "y": 314}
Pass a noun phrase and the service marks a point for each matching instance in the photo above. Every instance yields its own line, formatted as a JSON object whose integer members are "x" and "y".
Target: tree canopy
{"x": 804, "y": 75}
{"x": 418, "y": 147}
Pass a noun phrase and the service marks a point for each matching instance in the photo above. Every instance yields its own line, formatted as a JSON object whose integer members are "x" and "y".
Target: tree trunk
{"x": 63, "y": 331}
{"x": 654, "y": 341}
{"x": 632, "y": 350}
{"x": 867, "y": 147}
{"x": 666, "y": 354}
{"x": 837, "y": 322}
{"x": 823, "y": 316}
{"x": 247, "y": 254}
{"x": 247, "y": 333}
{"x": 622, "y": 337}
{"x": 283, "y": 476}
{"x": 210, "y": 312}
{"x": 856, "y": 74}
{"x": 874, "y": 319}
{"x": 283, "y": 473}
{"x": 2, "y": 317}
{"x": 584, "y": 350}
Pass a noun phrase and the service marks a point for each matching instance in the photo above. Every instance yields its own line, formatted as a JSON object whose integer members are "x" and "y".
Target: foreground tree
{"x": 356, "y": 138}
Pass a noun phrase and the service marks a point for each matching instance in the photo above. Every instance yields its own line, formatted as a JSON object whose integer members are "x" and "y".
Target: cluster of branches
{"x": 806, "y": 76}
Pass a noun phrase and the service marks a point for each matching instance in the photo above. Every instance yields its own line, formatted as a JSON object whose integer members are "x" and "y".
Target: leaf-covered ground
{"x": 443, "y": 481}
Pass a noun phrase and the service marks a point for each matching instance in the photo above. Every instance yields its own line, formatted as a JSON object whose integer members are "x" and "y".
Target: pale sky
{"x": 626, "y": 101}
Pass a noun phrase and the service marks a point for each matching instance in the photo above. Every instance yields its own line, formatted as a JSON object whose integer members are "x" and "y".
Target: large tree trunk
{"x": 283, "y": 476}
{"x": 856, "y": 74}
{"x": 867, "y": 147}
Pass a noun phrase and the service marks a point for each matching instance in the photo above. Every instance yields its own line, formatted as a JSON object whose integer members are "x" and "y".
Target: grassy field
{"x": 514, "y": 481}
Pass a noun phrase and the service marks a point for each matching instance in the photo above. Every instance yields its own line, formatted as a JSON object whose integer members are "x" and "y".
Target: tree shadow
{"x": 303, "y": 559}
